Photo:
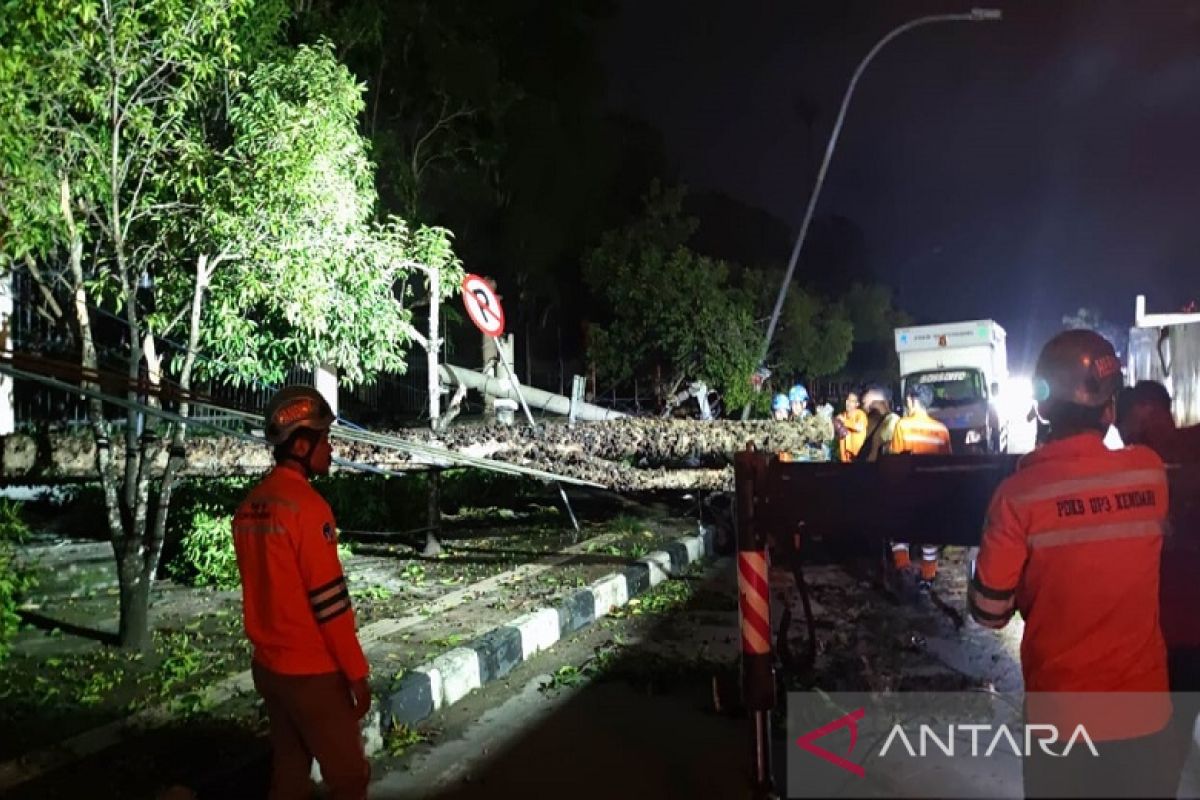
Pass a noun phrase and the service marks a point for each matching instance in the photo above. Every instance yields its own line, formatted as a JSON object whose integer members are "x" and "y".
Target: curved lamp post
{"x": 974, "y": 15}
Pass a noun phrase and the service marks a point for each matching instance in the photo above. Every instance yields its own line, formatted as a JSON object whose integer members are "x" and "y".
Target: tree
{"x": 175, "y": 148}
{"x": 874, "y": 318}
{"x": 315, "y": 283}
{"x": 491, "y": 119}
{"x": 815, "y": 334}
{"x": 105, "y": 94}
{"x": 673, "y": 315}
{"x": 435, "y": 88}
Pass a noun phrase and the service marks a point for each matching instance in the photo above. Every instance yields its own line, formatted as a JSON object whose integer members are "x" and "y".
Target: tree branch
{"x": 43, "y": 287}
{"x": 445, "y": 119}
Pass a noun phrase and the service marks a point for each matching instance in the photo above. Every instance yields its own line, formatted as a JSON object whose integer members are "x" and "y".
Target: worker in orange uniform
{"x": 1144, "y": 417}
{"x": 308, "y": 665}
{"x": 921, "y": 434}
{"x": 854, "y": 422}
{"x": 1072, "y": 540}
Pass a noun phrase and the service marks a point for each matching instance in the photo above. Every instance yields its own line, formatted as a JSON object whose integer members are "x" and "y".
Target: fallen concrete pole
{"x": 537, "y": 398}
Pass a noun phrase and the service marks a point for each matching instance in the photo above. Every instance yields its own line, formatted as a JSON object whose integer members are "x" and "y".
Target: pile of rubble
{"x": 625, "y": 455}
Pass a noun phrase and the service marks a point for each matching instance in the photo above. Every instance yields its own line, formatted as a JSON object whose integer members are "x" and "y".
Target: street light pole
{"x": 974, "y": 15}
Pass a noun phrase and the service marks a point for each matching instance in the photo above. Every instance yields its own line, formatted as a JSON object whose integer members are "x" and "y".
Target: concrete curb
{"x": 453, "y": 675}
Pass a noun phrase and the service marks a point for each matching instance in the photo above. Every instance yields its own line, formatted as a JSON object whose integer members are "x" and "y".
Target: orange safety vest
{"x": 856, "y": 423}
{"x": 922, "y": 434}
{"x": 1072, "y": 540}
{"x": 295, "y": 601}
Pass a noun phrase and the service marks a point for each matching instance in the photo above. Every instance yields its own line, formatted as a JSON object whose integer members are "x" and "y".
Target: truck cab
{"x": 965, "y": 404}
{"x": 964, "y": 364}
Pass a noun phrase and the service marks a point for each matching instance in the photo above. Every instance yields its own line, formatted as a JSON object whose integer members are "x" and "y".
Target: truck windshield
{"x": 952, "y": 388}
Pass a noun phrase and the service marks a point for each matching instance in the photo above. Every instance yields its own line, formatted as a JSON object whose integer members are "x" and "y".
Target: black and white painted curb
{"x": 453, "y": 675}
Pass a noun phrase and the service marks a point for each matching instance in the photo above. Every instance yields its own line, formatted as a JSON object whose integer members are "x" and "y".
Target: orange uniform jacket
{"x": 1072, "y": 540}
{"x": 922, "y": 434}
{"x": 856, "y": 423}
{"x": 294, "y": 595}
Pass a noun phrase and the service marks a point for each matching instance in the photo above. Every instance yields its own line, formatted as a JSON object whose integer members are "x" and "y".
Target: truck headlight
{"x": 974, "y": 436}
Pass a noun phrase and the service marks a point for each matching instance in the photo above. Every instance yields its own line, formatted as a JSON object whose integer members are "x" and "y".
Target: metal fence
{"x": 390, "y": 399}
{"x": 34, "y": 330}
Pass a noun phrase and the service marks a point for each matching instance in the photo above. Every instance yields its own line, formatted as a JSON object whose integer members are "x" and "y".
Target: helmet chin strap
{"x": 305, "y": 461}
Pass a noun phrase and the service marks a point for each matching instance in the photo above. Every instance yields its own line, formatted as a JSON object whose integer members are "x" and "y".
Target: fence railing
{"x": 389, "y": 399}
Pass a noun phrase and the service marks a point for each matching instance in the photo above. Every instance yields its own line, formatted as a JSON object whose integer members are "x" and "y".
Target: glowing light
{"x": 1016, "y": 396}
{"x": 1016, "y": 400}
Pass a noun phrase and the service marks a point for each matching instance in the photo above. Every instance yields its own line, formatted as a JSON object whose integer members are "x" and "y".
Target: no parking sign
{"x": 483, "y": 307}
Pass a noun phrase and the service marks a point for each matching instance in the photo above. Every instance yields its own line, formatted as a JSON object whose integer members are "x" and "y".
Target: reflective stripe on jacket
{"x": 296, "y": 604}
{"x": 920, "y": 433}
{"x": 1072, "y": 540}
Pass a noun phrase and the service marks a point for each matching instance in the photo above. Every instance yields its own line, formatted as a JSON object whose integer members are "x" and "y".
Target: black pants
{"x": 1128, "y": 768}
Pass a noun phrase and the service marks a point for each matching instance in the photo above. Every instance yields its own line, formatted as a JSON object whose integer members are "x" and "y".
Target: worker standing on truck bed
{"x": 1144, "y": 417}
{"x": 307, "y": 664}
{"x": 1072, "y": 540}
{"x": 920, "y": 434}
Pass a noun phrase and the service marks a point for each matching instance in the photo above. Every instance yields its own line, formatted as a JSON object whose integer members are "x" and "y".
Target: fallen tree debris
{"x": 625, "y": 455}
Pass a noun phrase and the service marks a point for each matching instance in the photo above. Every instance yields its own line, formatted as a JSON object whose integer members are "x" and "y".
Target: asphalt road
{"x": 643, "y": 725}
{"x": 596, "y": 742}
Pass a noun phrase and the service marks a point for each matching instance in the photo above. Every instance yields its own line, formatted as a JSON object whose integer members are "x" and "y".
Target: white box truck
{"x": 965, "y": 364}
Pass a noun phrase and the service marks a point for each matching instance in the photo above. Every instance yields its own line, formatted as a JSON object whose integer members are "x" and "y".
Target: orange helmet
{"x": 1078, "y": 367}
{"x": 296, "y": 407}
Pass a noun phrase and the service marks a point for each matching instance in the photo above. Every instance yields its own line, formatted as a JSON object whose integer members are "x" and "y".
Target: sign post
{"x": 483, "y": 307}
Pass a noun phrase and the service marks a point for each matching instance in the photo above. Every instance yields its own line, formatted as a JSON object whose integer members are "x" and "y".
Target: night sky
{"x": 1014, "y": 170}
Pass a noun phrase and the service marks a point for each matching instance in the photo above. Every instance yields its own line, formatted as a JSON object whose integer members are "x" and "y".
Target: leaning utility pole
{"x": 974, "y": 15}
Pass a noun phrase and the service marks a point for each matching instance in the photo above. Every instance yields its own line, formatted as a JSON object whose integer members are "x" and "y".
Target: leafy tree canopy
{"x": 175, "y": 161}
{"x": 316, "y": 281}
{"x": 674, "y": 315}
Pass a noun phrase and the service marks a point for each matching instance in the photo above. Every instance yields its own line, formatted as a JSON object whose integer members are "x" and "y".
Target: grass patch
{"x": 666, "y": 598}
{"x": 400, "y": 738}
{"x": 447, "y": 642}
{"x": 372, "y": 592}
{"x": 564, "y": 677}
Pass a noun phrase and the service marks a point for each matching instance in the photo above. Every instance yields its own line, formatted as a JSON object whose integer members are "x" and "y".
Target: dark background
{"x": 1017, "y": 170}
